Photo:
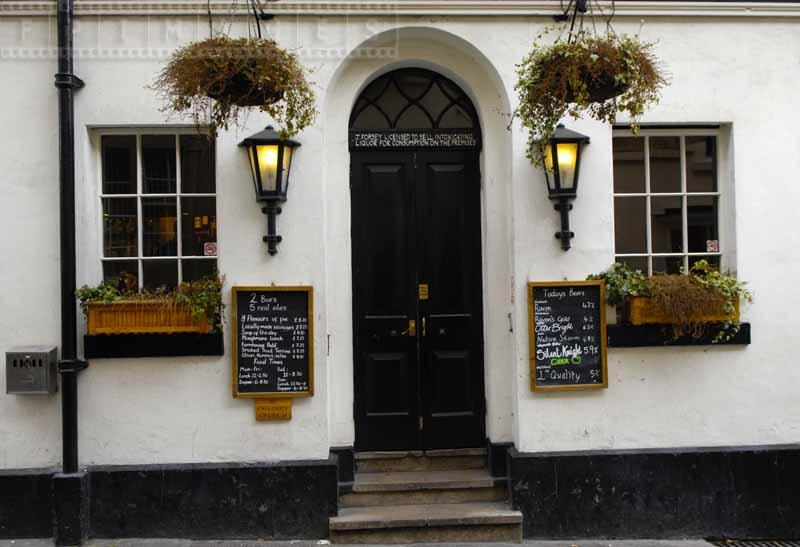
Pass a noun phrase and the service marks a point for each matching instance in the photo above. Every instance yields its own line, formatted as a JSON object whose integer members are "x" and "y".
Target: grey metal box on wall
{"x": 31, "y": 370}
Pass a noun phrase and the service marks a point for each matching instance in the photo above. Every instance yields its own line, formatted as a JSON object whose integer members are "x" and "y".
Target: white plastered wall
{"x": 742, "y": 73}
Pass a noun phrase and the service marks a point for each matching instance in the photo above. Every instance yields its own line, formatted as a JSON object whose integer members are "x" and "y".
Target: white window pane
{"x": 666, "y": 219}
{"x": 665, "y": 164}
{"x": 701, "y": 164}
{"x": 630, "y": 225}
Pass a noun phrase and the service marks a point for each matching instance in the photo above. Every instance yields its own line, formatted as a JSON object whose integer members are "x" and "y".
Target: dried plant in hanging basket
{"x": 215, "y": 79}
{"x": 596, "y": 75}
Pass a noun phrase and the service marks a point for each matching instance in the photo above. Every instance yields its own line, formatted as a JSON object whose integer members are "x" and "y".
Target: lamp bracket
{"x": 271, "y": 209}
{"x": 557, "y": 206}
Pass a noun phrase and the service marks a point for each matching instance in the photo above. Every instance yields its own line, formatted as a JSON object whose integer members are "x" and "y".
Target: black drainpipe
{"x": 69, "y": 366}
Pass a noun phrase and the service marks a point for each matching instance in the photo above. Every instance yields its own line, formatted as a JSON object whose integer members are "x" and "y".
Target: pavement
{"x": 252, "y": 543}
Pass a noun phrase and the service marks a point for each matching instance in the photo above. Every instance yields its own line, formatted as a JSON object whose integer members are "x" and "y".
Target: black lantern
{"x": 562, "y": 161}
{"x": 270, "y": 163}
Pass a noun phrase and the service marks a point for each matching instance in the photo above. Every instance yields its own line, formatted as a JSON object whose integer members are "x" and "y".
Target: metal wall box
{"x": 31, "y": 370}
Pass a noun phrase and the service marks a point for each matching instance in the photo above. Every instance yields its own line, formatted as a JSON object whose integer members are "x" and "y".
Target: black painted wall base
{"x": 26, "y": 501}
{"x": 284, "y": 500}
{"x": 692, "y": 493}
{"x": 345, "y": 460}
{"x": 497, "y": 456}
{"x": 71, "y": 507}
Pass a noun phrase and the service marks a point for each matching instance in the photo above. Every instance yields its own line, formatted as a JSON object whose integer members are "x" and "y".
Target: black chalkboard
{"x": 567, "y": 329}
{"x": 273, "y": 342}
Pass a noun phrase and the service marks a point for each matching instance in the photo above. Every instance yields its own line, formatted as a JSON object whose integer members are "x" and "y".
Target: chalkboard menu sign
{"x": 567, "y": 329}
{"x": 273, "y": 341}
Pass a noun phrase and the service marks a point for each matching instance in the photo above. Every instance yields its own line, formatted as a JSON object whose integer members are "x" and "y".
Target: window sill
{"x": 104, "y": 346}
{"x": 643, "y": 336}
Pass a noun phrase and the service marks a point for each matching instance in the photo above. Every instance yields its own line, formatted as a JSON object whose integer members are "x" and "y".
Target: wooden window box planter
{"x": 639, "y": 310}
{"x": 141, "y": 317}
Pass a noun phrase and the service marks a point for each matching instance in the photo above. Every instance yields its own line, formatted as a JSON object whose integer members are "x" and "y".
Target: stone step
{"x": 418, "y": 460}
{"x": 430, "y": 496}
{"x": 423, "y": 480}
{"x": 424, "y": 487}
{"x": 446, "y": 522}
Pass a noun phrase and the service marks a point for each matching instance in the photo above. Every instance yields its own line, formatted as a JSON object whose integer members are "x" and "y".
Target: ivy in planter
{"x": 215, "y": 79}
{"x": 201, "y": 298}
{"x": 597, "y": 75}
{"x": 688, "y": 302}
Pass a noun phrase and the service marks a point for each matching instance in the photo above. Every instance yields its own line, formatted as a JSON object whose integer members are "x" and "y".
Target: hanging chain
{"x": 576, "y": 10}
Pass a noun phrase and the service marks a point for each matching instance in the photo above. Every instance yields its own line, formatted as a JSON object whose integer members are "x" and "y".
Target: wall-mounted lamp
{"x": 270, "y": 162}
{"x": 564, "y": 153}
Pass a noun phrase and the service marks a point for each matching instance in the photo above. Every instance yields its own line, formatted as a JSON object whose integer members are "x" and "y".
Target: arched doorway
{"x": 416, "y": 250}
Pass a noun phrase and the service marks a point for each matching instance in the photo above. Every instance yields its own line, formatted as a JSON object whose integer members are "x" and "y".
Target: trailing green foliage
{"x": 622, "y": 282}
{"x": 203, "y": 298}
{"x": 596, "y": 75}
{"x": 683, "y": 297}
{"x": 217, "y": 78}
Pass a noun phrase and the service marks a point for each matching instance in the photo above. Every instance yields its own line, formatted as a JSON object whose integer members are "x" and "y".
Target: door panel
{"x": 416, "y": 219}
{"x": 451, "y": 353}
{"x": 384, "y": 270}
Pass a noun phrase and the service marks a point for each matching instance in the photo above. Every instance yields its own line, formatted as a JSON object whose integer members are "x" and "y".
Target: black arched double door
{"x": 416, "y": 237}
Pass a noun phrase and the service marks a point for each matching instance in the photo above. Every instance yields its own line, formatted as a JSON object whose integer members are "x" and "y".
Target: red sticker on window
{"x": 712, "y": 246}
{"x": 210, "y": 249}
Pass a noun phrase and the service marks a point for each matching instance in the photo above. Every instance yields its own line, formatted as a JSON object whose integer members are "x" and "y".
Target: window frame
{"x": 723, "y": 193}
{"x": 138, "y": 132}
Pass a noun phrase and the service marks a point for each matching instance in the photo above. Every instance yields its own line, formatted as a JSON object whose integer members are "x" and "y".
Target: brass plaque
{"x": 270, "y": 410}
{"x": 423, "y": 291}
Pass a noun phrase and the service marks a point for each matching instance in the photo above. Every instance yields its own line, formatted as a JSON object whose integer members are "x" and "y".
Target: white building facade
{"x": 723, "y": 411}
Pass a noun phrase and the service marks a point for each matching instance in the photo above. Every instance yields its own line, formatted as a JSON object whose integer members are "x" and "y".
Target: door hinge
{"x": 420, "y": 423}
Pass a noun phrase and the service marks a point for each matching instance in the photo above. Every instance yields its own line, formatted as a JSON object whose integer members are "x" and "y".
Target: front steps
{"x": 421, "y": 497}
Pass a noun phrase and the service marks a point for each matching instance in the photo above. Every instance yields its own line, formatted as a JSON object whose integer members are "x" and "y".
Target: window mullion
{"x": 179, "y": 218}
{"x": 647, "y": 205}
{"x": 139, "y": 211}
{"x": 684, "y": 206}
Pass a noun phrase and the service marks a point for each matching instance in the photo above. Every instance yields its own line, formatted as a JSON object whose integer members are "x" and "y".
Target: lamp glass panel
{"x": 548, "y": 167}
{"x": 287, "y": 164}
{"x": 567, "y": 153}
{"x": 268, "y": 166}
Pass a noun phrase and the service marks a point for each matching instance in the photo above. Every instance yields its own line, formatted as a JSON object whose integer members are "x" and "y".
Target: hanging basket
{"x": 240, "y": 89}
{"x": 600, "y": 89}
{"x": 214, "y": 79}
{"x": 579, "y": 77}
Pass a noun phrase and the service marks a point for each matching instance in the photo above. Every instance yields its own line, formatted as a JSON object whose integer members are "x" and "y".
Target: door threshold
{"x": 442, "y": 452}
